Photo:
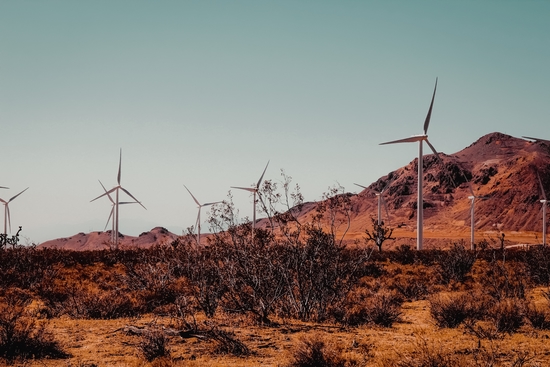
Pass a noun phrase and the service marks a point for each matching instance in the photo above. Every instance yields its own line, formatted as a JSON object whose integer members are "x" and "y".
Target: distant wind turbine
{"x": 473, "y": 198}
{"x": 544, "y": 202}
{"x": 381, "y": 201}
{"x": 420, "y": 139}
{"x": 117, "y": 202}
{"x": 7, "y": 219}
{"x": 199, "y": 205}
{"x": 113, "y": 204}
{"x": 254, "y": 190}
{"x": 537, "y": 139}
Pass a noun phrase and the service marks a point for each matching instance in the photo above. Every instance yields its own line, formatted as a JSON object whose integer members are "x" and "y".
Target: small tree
{"x": 379, "y": 234}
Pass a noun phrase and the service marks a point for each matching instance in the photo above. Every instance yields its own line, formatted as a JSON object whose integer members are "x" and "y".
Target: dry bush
{"x": 456, "y": 263}
{"x": 384, "y": 308}
{"x": 449, "y": 311}
{"x": 153, "y": 345}
{"x": 452, "y": 310}
{"x": 413, "y": 282}
{"x": 505, "y": 280}
{"x": 507, "y": 315}
{"x": 314, "y": 352}
{"x": 362, "y": 306}
{"x": 227, "y": 343}
{"x": 20, "y": 336}
{"x": 539, "y": 318}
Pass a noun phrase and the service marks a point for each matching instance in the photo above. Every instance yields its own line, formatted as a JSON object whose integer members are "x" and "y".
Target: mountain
{"x": 100, "y": 240}
{"x": 497, "y": 165}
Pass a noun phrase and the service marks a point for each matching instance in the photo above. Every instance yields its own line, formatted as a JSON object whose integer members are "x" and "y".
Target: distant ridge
{"x": 100, "y": 240}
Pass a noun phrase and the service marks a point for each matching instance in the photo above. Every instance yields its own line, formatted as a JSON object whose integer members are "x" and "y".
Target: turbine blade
{"x": 262, "y": 201}
{"x": 361, "y": 186}
{"x": 261, "y": 178}
{"x": 3, "y": 201}
{"x": 470, "y": 187}
{"x": 132, "y": 196}
{"x": 104, "y": 189}
{"x": 385, "y": 207}
{"x": 119, "y": 166}
{"x": 412, "y": 139}
{"x": 369, "y": 189}
{"x": 106, "y": 193}
{"x": 17, "y": 195}
{"x": 9, "y": 216}
{"x": 194, "y": 198}
{"x": 109, "y": 219}
{"x": 429, "y": 116}
{"x": 244, "y": 188}
{"x": 536, "y": 139}
{"x": 434, "y": 151}
{"x": 198, "y": 220}
{"x": 541, "y": 187}
{"x": 215, "y": 202}
{"x": 3, "y": 187}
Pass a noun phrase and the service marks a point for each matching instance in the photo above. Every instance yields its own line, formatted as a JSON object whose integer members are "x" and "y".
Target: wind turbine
{"x": 381, "y": 201}
{"x": 199, "y": 205}
{"x": 112, "y": 212}
{"x": 116, "y": 189}
{"x": 254, "y": 190}
{"x": 537, "y": 139}
{"x": 420, "y": 139}
{"x": 473, "y": 198}
{"x": 544, "y": 202}
{"x": 7, "y": 219}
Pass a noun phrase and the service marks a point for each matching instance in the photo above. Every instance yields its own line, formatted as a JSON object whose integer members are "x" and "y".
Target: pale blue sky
{"x": 206, "y": 92}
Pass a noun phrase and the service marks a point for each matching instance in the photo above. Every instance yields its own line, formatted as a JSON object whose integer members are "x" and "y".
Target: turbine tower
{"x": 116, "y": 189}
{"x": 381, "y": 201}
{"x": 544, "y": 202}
{"x": 255, "y": 190}
{"x": 473, "y": 198}
{"x": 7, "y": 219}
{"x": 420, "y": 139}
{"x": 199, "y": 205}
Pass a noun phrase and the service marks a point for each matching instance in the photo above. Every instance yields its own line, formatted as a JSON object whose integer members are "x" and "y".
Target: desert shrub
{"x": 507, "y": 315}
{"x": 452, "y": 310}
{"x": 505, "y": 280}
{"x": 537, "y": 260}
{"x": 456, "y": 263}
{"x": 314, "y": 352}
{"x": 413, "y": 283}
{"x": 227, "y": 343}
{"x": 20, "y": 336}
{"x": 153, "y": 345}
{"x": 403, "y": 255}
{"x": 539, "y": 318}
{"x": 384, "y": 308}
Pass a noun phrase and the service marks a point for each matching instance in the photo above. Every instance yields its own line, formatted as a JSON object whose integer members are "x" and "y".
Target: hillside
{"x": 497, "y": 166}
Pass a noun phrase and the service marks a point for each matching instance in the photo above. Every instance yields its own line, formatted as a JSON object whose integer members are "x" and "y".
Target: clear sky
{"x": 204, "y": 93}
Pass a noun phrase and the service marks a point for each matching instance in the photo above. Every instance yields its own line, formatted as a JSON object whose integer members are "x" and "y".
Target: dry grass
{"x": 104, "y": 342}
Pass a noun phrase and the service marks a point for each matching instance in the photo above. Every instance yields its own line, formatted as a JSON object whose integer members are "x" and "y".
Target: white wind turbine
{"x": 7, "y": 219}
{"x": 473, "y": 198}
{"x": 381, "y": 201}
{"x": 254, "y": 190}
{"x": 544, "y": 202}
{"x": 420, "y": 139}
{"x": 199, "y": 205}
{"x": 112, "y": 212}
{"x": 537, "y": 139}
{"x": 116, "y": 189}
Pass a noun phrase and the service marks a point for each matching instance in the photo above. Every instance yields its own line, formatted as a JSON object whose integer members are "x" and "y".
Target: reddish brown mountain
{"x": 498, "y": 166}
{"x": 100, "y": 240}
